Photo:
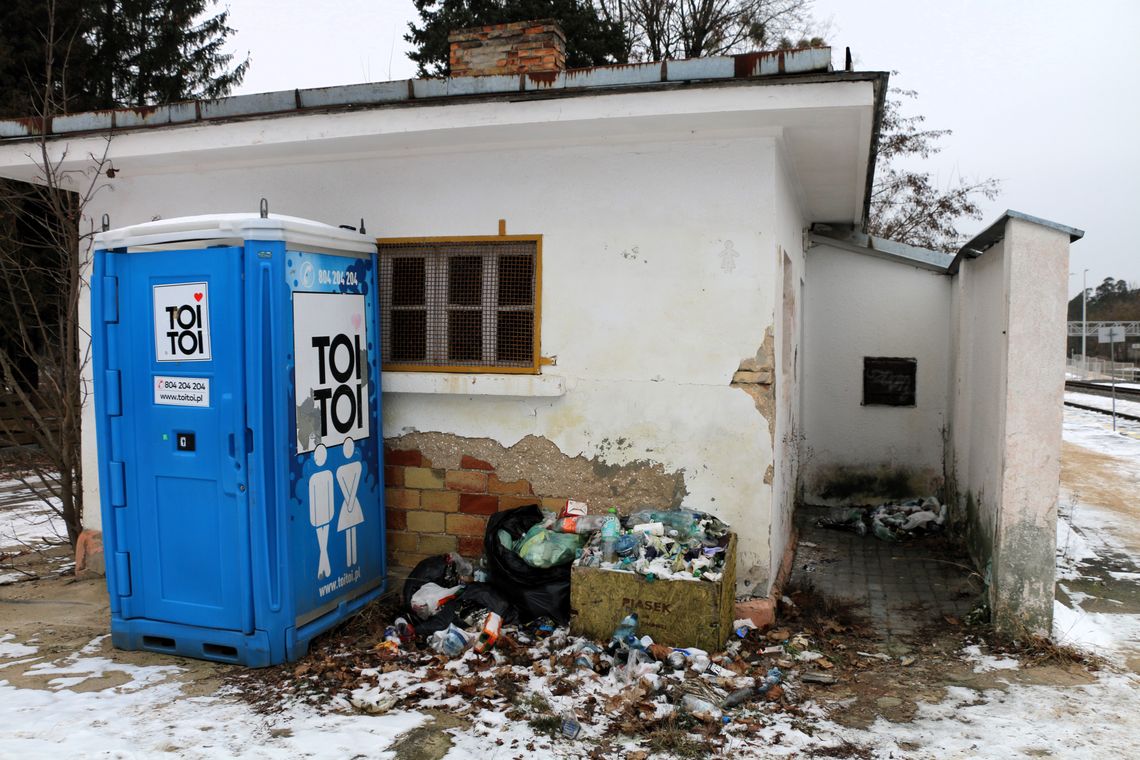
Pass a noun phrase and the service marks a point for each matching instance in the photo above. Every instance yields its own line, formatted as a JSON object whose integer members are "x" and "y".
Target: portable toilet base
{"x": 237, "y": 396}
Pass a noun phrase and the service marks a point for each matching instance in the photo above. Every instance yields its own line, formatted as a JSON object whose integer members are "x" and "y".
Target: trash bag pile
{"x": 908, "y": 519}
{"x": 524, "y": 572}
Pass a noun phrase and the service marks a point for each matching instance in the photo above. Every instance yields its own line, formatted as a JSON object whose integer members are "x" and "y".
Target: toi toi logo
{"x": 185, "y": 328}
{"x": 339, "y": 356}
{"x": 182, "y": 322}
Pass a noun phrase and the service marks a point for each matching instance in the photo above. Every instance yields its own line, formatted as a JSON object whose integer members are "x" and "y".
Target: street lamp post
{"x": 1084, "y": 323}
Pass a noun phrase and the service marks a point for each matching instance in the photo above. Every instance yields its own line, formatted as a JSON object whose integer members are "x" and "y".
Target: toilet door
{"x": 182, "y": 436}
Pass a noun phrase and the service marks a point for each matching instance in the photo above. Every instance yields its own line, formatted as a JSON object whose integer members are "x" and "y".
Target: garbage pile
{"x": 908, "y": 519}
{"x": 680, "y": 544}
{"x": 706, "y": 687}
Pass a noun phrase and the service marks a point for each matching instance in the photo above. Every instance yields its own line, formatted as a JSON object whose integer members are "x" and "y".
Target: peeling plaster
{"x": 601, "y": 484}
{"x": 756, "y": 376}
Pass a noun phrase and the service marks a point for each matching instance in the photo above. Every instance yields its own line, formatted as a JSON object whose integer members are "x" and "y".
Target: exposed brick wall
{"x": 518, "y": 48}
{"x": 431, "y": 510}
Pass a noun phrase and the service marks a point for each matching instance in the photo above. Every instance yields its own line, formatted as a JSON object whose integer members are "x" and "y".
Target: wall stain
{"x": 867, "y": 484}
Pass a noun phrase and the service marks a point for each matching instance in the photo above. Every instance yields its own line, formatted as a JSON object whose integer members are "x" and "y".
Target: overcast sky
{"x": 1041, "y": 94}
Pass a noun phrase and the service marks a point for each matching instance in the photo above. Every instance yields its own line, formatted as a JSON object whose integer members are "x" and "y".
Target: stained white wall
{"x": 858, "y": 305}
{"x": 789, "y": 331}
{"x": 977, "y": 403}
{"x": 1007, "y": 399}
{"x": 647, "y": 325}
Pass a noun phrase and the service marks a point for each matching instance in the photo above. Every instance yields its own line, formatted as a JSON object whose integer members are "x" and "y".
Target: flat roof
{"x": 774, "y": 66}
{"x": 822, "y": 146}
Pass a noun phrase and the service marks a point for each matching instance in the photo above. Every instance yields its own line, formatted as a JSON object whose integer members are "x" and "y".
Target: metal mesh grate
{"x": 458, "y": 304}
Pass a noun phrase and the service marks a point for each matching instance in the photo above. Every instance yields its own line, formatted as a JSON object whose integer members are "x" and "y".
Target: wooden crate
{"x": 675, "y": 613}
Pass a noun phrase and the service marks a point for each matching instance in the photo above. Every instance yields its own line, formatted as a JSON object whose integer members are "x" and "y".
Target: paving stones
{"x": 904, "y": 587}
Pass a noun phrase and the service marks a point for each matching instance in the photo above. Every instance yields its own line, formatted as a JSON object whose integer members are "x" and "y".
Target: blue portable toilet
{"x": 237, "y": 394}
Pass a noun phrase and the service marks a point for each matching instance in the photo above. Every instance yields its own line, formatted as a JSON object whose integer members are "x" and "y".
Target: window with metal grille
{"x": 889, "y": 381}
{"x": 460, "y": 304}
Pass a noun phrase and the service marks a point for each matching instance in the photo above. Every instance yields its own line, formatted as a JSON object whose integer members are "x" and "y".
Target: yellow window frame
{"x": 536, "y": 353}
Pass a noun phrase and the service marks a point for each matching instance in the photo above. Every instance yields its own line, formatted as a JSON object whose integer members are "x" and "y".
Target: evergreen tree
{"x": 25, "y": 49}
{"x": 112, "y": 53}
{"x": 590, "y": 40}
{"x": 160, "y": 51}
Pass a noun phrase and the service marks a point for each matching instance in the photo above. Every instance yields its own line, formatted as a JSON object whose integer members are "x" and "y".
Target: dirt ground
{"x": 1098, "y": 479}
{"x": 60, "y": 615}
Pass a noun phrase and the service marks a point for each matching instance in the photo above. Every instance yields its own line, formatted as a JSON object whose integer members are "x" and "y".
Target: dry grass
{"x": 1039, "y": 650}
{"x": 673, "y": 736}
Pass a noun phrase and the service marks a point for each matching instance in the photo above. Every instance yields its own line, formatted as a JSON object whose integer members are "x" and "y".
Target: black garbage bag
{"x": 535, "y": 591}
{"x": 437, "y": 570}
{"x": 474, "y": 596}
{"x": 468, "y": 605}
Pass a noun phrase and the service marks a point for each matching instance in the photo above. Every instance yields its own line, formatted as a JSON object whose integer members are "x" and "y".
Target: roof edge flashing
{"x": 779, "y": 65}
{"x": 995, "y": 233}
{"x": 849, "y": 239}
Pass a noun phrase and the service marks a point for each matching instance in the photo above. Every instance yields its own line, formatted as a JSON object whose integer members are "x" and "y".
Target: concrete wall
{"x": 657, "y": 283}
{"x": 1006, "y": 409}
{"x": 788, "y": 360}
{"x": 977, "y": 402}
{"x": 857, "y": 306}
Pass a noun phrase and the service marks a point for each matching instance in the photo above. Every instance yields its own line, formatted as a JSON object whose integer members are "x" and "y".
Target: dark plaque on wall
{"x": 888, "y": 381}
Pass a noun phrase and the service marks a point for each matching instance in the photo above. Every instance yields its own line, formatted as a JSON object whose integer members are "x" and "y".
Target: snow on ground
{"x": 1092, "y": 721}
{"x": 25, "y": 520}
{"x": 149, "y": 716}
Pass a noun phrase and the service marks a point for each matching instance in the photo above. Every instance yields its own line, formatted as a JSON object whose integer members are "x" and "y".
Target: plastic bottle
{"x": 739, "y": 697}
{"x": 677, "y": 523}
{"x": 626, "y": 630}
{"x": 490, "y": 633}
{"x": 580, "y": 525}
{"x": 626, "y": 545}
{"x": 700, "y": 708}
{"x": 451, "y": 641}
{"x": 610, "y": 530}
{"x": 586, "y": 653}
{"x": 774, "y": 677}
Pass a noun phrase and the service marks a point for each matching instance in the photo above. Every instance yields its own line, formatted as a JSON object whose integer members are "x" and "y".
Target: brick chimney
{"x": 519, "y": 48}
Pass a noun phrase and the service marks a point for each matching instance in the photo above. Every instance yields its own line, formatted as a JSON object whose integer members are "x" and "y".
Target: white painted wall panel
{"x": 647, "y": 325}
{"x": 858, "y": 306}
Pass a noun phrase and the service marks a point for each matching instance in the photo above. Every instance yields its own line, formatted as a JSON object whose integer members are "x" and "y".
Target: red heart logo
{"x": 197, "y": 296}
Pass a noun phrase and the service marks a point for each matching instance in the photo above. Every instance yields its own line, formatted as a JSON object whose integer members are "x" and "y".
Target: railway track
{"x": 1100, "y": 389}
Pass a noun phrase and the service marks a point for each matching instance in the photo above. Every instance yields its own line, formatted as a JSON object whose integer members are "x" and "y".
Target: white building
{"x": 695, "y": 339}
